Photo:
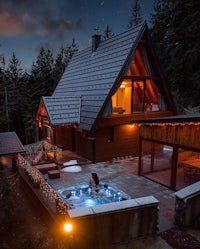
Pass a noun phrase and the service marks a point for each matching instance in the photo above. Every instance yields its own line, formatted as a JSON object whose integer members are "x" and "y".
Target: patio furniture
{"x": 53, "y": 174}
{"x": 191, "y": 170}
{"x": 118, "y": 110}
{"x": 44, "y": 168}
{"x": 191, "y": 174}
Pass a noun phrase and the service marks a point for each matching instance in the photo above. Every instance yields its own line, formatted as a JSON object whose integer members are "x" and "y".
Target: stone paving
{"x": 123, "y": 175}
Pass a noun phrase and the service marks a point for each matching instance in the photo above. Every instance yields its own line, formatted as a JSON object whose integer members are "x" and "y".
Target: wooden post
{"x": 152, "y": 155}
{"x": 174, "y": 168}
{"x": 140, "y": 157}
{"x": 93, "y": 151}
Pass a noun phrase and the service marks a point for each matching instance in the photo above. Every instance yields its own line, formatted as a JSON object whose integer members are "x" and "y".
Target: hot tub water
{"x": 83, "y": 196}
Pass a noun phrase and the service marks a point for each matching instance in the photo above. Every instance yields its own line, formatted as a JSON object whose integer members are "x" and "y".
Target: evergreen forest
{"x": 174, "y": 29}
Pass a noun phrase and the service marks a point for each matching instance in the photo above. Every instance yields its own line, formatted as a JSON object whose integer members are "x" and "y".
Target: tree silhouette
{"x": 108, "y": 32}
{"x": 136, "y": 15}
{"x": 176, "y": 32}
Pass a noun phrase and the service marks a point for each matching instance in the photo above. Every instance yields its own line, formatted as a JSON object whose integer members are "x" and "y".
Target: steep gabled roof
{"x": 10, "y": 143}
{"x": 62, "y": 110}
{"x": 93, "y": 75}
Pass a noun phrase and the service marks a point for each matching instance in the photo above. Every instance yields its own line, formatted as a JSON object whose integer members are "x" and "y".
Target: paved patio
{"x": 122, "y": 174}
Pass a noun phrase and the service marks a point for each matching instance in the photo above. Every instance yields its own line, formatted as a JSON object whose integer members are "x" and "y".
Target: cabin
{"x": 169, "y": 150}
{"x": 105, "y": 88}
{"x": 10, "y": 146}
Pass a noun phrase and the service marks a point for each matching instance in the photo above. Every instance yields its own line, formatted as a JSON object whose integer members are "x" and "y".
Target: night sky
{"x": 27, "y": 25}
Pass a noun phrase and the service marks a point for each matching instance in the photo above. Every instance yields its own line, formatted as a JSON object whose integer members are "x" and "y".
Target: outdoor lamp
{"x": 132, "y": 123}
{"x": 68, "y": 227}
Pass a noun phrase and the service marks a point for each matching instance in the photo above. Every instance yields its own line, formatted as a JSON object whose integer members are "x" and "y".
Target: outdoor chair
{"x": 190, "y": 174}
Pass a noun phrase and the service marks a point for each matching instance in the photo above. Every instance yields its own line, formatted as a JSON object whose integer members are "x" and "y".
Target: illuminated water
{"x": 83, "y": 196}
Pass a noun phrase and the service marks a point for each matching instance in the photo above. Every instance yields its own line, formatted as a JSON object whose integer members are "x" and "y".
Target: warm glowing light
{"x": 123, "y": 85}
{"x": 132, "y": 124}
{"x": 4, "y": 160}
{"x": 171, "y": 124}
{"x": 68, "y": 227}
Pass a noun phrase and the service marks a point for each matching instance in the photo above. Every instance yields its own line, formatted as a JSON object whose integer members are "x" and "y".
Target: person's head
{"x": 96, "y": 178}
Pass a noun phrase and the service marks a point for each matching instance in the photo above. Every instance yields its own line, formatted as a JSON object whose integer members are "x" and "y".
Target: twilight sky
{"x": 27, "y": 25}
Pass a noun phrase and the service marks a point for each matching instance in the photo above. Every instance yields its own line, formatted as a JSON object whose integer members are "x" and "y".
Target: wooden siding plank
{"x": 184, "y": 135}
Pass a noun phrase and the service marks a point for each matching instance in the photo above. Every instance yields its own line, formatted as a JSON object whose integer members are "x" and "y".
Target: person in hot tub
{"x": 94, "y": 183}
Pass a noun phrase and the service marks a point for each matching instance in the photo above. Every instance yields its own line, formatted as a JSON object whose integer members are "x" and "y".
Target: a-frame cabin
{"x": 102, "y": 91}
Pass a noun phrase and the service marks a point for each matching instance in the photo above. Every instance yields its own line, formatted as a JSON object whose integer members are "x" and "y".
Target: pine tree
{"x": 176, "y": 32}
{"x": 34, "y": 89}
{"x": 3, "y": 121}
{"x": 44, "y": 67}
{"x": 12, "y": 79}
{"x": 64, "y": 56}
{"x": 135, "y": 16}
{"x": 108, "y": 32}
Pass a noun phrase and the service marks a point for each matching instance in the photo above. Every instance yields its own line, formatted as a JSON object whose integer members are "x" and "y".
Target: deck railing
{"x": 38, "y": 181}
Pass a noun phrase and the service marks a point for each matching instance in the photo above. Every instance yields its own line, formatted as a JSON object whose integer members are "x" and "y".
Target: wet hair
{"x": 96, "y": 178}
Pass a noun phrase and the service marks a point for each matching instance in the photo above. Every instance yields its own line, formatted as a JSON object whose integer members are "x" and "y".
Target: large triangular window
{"x": 138, "y": 91}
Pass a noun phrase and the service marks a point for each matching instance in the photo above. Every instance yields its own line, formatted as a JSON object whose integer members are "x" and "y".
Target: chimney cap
{"x": 96, "y": 29}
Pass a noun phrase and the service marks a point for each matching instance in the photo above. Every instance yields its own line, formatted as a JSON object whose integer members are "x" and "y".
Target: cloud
{"x": 10, "y": 25}
{"x": 38, "y": 18}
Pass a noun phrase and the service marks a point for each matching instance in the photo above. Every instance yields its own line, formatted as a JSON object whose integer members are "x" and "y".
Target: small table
{"x": 193, "y": 163}
{"x": 191, "y": 170}
{"x": 53, "y": 174}
{"x": 44, "y": 168}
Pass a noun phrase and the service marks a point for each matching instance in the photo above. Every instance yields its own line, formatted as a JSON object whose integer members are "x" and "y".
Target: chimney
{"x": 96, "y": 39}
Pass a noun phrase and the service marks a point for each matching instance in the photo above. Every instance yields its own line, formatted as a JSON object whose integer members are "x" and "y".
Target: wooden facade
{"x": 108, "y": 143}
{"x": 65, "y": 137}
{"x": 185, "y": 134}
{"x": 170, "y": 144}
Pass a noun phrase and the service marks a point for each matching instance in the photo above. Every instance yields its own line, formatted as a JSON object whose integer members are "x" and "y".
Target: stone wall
{"x": 187, "y": 206}
{"x": 110, "y": 225}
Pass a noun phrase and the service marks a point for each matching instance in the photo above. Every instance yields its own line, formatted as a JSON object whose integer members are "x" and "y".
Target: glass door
{"x": 157, "y": 162}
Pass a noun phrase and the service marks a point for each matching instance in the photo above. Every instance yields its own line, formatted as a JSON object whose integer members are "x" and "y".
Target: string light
{"x": 35, "y": 176}
{"x": 170, "y": 124}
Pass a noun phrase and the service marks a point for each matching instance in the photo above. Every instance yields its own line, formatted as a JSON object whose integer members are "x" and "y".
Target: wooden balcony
{"x": 120, "y": 119}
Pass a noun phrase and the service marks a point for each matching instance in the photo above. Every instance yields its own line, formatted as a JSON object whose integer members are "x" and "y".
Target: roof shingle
{"x": 63, "y": 110}
{"x": 10, "y": 143}
{"x": 92, "y": 75}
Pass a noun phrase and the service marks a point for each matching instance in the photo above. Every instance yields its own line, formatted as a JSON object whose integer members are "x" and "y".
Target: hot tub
{"x": 83, "y": 196}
